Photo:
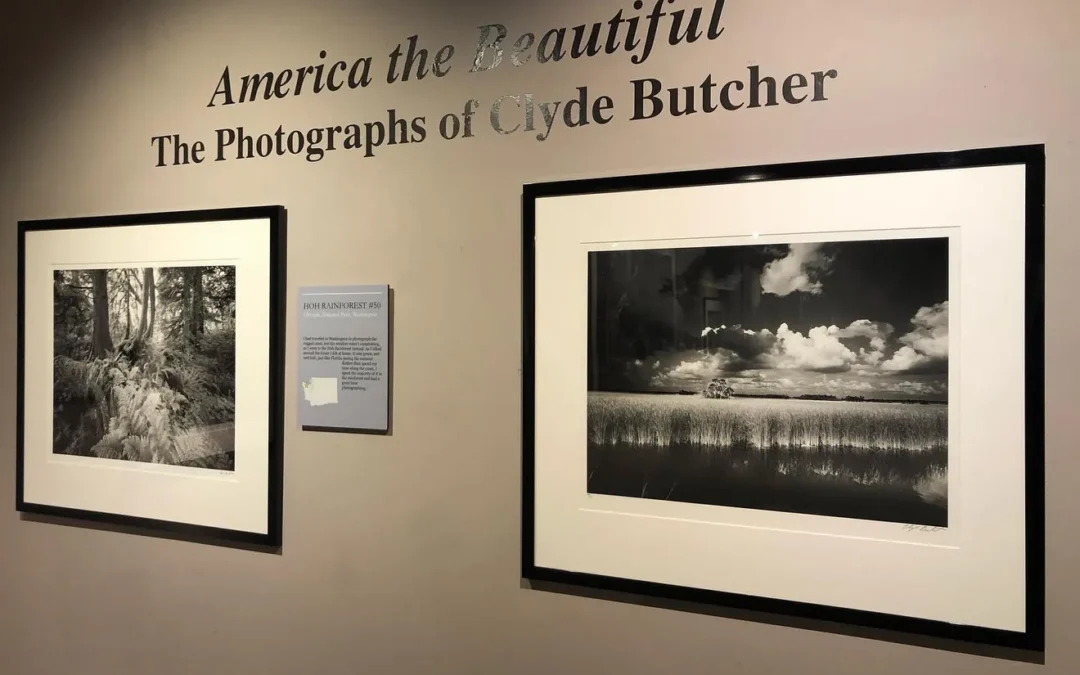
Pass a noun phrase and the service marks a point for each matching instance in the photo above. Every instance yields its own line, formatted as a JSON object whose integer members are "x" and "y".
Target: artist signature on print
{"x": 922, "y": 528}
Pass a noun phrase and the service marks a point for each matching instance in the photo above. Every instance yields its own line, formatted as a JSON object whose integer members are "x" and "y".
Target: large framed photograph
{"x": 808, "y": 389}
{"x": 150, "y": 371}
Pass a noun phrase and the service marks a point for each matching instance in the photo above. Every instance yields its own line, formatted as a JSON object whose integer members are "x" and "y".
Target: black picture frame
{"x": 885, "y": 626}
{"x": 276, "y": 216}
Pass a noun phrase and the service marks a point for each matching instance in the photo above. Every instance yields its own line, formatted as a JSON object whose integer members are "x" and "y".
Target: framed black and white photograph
{"x": 809, "y": 389}
{"x": 150, "y": 369}
{"x": 802, "y": 400}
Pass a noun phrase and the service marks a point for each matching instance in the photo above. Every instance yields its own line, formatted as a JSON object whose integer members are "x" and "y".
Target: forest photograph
{"x": 803, "y": 378}
{"x": 144, "y": 364}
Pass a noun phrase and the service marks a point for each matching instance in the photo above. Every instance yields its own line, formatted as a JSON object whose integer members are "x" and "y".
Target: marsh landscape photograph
{"x": 144, "y": 365}
{"x": 802, "y": 378}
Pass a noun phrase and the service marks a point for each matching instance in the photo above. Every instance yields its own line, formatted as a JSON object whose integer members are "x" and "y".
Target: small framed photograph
{"x": 808, "y": 389}
{"x": 150, "y": 371}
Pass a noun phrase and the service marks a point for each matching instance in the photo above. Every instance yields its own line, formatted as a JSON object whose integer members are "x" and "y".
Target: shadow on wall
{"x": 807, "y": 623}
{"x": 39, "y": 42}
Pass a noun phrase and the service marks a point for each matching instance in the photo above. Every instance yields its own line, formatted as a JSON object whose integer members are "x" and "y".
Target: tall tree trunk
{"x": 144, "y": 304}
{"x": 146, "y": 319}
{"x": 185, "y": 302}
{"x": 151, "y": 291}
{"x": 127, "y": 306}
{"x": 198, "y": 307}
{"x": 102, "y": 337}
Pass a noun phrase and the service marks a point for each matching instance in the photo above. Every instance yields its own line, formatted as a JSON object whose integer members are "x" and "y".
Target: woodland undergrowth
{"x": 146, "y": 401}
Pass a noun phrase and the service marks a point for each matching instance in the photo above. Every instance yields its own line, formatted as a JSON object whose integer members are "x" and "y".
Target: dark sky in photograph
{"x": 879, "y": 280}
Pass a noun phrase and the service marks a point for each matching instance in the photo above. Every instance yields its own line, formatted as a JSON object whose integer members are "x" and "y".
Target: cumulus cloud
{"x": 861, "y": 350}
{"x": 931, "y": 334}
{"x": 798, "y": 271}
{"x": 874, "y": 330}
{"x": 876, "y": 335}
{"x": 847, "y": 385}
{"x": 693, "y": 368}
{"x": 917, "y": 388}
{"x": 819, "y": 351}
{"x": 926, "y": 348}
{"x": 822, "y": 349}
{"x": 747, "y": 347}
{"x": 704, "y": 368}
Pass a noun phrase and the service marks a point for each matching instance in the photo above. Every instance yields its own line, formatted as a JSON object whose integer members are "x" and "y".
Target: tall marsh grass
{"x": 865, "y": 460}
{"x": 661, "y": 421}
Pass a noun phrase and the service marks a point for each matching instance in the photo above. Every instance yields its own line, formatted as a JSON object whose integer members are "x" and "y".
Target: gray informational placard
{"x": 343, "y": 378}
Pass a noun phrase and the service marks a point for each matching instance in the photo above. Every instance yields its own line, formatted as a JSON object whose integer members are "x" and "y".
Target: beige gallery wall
{"x": 401, "y": 553}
